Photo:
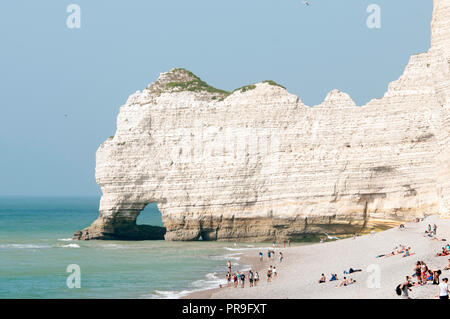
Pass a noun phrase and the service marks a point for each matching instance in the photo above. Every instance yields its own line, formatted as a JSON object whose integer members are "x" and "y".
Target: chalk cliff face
{"x": 257, "y": 164}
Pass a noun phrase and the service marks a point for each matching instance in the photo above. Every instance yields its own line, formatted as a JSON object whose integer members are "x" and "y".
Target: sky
{"x": 61, "y": 88}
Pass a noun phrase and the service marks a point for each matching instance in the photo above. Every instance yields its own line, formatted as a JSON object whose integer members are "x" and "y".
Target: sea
{"x": 38, "y": 258}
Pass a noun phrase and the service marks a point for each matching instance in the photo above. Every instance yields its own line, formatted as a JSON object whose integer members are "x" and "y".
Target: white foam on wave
{"x": 247, "y": 248}
{"x": 71, "y": 246}
{"x": 227, "y": 257}
{"x": 65, "y": 239}
{"x": 211, "y": 281}
{"x": 162, "y": 294}
{"x": 24, "y": 246}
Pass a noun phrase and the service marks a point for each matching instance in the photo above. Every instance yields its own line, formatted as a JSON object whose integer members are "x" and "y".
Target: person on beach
{"x": 268, "y": 253}
{"x": 434, "y": 229}
{"x": 235, "y": 280}
{"x": 281, "y": 257}
{"x": 443, "y": 289}
{"x": 269, "y": 274}
{"x": 322, "y": 279}
{"x": 417, "y": 273}
{"x": 274, "y": 272}
{"x": 429, "y": 275}
{"x": 256, "y": 280}
{"x": 242, "y": 277}
{"x": 407, "y": 252}
{"x": 229, "y": 265}
{"x": 423, "y": 272}
{"x": 351, "y": 270}
{"x": 260, "y": 256}
{"x": 343, "y": 283}
{"x": 436, "y": 274}
{"x": 273, "y": 254}
{"x": 448, "y": 266}
{"x": 405, "y": 287}
{"x": 228, "y": 279}
{"x": 250, "y": 278}
{"x": 444, "y": 252}
{"x": 333, "y": 277}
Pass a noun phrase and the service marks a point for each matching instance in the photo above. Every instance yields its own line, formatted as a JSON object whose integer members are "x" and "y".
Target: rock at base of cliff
{"x": 119, "y": 230}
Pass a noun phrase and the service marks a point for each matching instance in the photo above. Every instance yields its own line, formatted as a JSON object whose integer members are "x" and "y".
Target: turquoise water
{"x": 35, "y": 250}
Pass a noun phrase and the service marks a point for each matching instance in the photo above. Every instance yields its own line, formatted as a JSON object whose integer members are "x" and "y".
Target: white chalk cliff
{"x": 257, "y": 164}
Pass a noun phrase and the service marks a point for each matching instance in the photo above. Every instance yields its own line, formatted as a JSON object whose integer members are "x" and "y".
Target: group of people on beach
{"x": 239, "y": 278}
{"x": 445, "y": 251}
{"x": 398, "y": 250}
{"x": 344, "y": 282}
{"x": 431, "y": 232}
{"x": 270, "y": 255}
{"x": 425, "y": 275}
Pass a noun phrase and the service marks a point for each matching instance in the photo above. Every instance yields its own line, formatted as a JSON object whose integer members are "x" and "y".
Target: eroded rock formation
{"x": 257, "y": 164}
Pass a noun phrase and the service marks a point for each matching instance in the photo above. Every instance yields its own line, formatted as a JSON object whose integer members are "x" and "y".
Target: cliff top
{"x": 179, "y": 80}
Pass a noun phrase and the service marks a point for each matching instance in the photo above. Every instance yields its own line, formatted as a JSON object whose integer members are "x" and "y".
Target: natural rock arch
{"x": 257, "y": 164}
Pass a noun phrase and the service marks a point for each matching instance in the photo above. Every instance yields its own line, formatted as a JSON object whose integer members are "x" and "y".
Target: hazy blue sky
{"x": 48, "y": 70}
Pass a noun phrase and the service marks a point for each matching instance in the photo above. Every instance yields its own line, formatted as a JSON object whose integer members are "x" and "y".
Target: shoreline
{"x": 244, "y": 260}
{"x": 303, "y": 265}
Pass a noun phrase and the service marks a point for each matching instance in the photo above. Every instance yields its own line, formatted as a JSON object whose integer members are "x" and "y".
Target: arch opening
{"x": 149, "y": 221}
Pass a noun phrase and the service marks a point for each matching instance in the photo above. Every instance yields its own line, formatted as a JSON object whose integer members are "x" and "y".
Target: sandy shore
{"x": 302, "y": 267}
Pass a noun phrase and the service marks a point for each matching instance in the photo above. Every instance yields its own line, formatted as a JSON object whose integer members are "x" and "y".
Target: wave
{"x": 247, "y": 248}
{"x": 211, "y": 281}
{"x": 71, "y": 246}
{"x": 162, "y": 294}
{"x": 226, "y": 257}
{"x": 65, "y": 239}
{"x": 24, "y": 246}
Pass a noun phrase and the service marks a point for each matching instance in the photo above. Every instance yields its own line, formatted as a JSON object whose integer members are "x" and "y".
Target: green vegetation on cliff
{"x": 273, "y": 83}
{"x": 179, "y": 79}
{"x": 195, "y": 84}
